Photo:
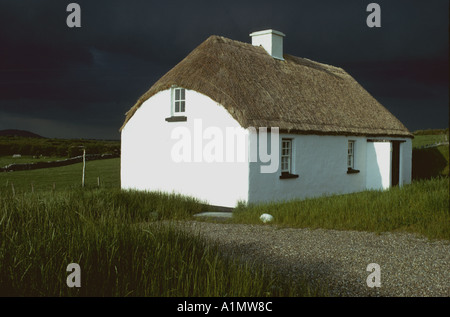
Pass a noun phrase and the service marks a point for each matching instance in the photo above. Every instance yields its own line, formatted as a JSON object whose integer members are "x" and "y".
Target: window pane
{"x": 284, "y": 164}
{"x": 286, "y": 152}
{"x": 182, "y": 106}
{"x": 182, "y": 94}
{"x": 350, "y": 153}
{"x": 177, "y": 94}
{"x": 177, "y": 106}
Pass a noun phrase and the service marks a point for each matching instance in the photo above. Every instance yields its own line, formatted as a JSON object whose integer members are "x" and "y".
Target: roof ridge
{"x": 236, "y": 43}
{"x": 245, "y": 45}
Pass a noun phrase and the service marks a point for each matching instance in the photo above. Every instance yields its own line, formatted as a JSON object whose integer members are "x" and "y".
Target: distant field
{"x": 6, "y": 160}
{"x": 66, "y": 177}
{"x": 55, "y": 147}
{"x": 423, "y": 140}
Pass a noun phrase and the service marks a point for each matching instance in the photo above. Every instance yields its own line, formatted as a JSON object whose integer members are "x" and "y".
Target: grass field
{"x": 421, "y": 208}
{"x": 6, "y": 160}
{"x": 121, "y": 251}
{"x": 112, "y": 235}
{"x": 422, "y": 138}
{"x": 63, "y": 178}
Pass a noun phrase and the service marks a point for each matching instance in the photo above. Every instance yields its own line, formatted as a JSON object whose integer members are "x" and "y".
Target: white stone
{"x": 266, "y": 218}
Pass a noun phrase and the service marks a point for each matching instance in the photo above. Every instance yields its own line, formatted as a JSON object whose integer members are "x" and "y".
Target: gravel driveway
{"x": 409, "y": 266}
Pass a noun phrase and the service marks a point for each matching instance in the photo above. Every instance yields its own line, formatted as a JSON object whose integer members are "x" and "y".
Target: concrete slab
{"x": 215, "y": 214}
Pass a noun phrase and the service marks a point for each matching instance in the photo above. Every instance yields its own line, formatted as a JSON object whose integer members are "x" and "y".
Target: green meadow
{"x": 124, "y": 241}
{"x": 104, "y": 172}
{"x": 122, "y": 248}
{"x": 6, "y": 160}
{"x": 421, "y": 208}
{"x": 429, "y": 137}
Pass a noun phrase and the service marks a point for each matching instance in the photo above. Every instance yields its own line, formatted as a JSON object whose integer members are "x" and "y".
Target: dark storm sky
{"x": 79, "y": 82}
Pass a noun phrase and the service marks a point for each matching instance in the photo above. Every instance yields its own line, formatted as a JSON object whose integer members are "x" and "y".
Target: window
{"x": 179, "y": 101}
{"x": 286, "y": 159}
{"x": 351, "y": 154}
{"x": 351, "y": 158}
{"x": 178, "y": 106}
{"x": 286, "y": 156}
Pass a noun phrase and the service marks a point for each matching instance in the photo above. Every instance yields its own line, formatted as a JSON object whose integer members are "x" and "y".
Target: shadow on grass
{"x": 427, "y": 163}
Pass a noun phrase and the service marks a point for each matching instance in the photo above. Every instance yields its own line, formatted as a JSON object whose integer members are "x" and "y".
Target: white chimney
{"x": 271, "y": 40}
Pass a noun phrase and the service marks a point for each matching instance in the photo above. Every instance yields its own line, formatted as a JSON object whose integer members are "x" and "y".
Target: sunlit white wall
{"x": 147, "y": 162}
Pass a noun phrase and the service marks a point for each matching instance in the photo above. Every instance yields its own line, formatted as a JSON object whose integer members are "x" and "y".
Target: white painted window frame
{"x": 351, "y": 154}
{"x": 182, "y": 101}
{"x": 286, "y": 153}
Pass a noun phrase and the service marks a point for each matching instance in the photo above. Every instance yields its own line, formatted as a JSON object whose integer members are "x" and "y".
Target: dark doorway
{"x": 395, "y": 163}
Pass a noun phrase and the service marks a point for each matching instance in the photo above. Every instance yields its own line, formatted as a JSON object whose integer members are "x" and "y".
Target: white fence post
{"x": 84, "y": 167}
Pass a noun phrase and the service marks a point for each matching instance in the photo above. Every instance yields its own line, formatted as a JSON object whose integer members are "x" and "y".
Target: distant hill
{"x": 22, "y": 133}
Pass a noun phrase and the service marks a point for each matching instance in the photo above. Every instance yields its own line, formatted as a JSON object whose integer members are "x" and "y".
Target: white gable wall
{"x": 147, "y": 164}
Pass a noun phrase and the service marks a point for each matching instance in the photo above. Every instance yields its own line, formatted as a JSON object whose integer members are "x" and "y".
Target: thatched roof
{"x": 297, "y": 95}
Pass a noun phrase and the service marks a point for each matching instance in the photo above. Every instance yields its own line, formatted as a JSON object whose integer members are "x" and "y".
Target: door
{"x": 378, "y": 164}
{"x": 395, "y": 163}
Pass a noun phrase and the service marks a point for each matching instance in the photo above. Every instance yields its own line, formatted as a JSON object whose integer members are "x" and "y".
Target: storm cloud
{"x": 78, "y": 82}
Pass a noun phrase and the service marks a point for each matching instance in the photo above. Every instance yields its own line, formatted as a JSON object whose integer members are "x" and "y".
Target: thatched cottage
{"x": 329, "y": 134}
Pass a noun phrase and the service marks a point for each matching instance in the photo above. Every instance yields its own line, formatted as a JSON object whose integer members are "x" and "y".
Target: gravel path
{"x": 409, "y": 266}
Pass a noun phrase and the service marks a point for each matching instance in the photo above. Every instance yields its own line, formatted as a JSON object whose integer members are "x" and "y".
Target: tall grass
{"x": 120, "y": 250}
{"x": 421, "y": 207}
